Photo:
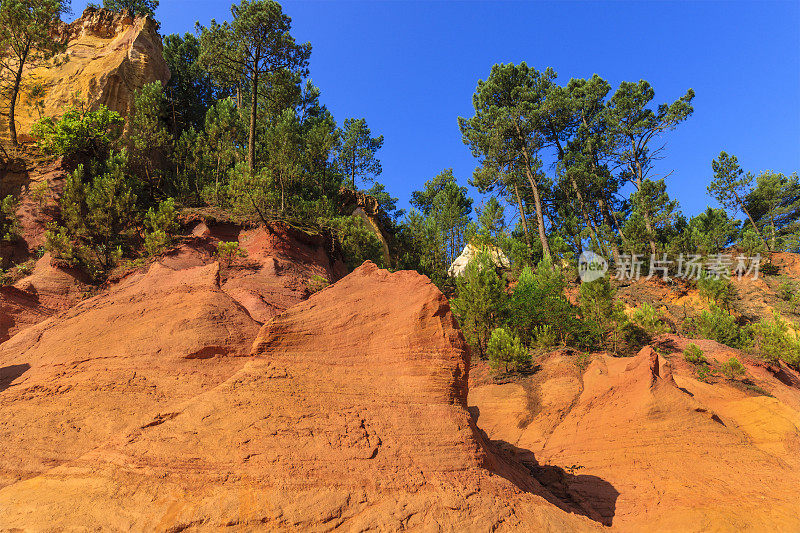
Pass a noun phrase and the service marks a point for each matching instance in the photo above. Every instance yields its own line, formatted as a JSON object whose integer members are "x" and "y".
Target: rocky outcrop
{"x": 88, "y": 374}
{"x": 367, "y": 208}
{"x": 350, "y": 412}
{"x": 109, "y": 57}
{"x": 682, "y": 454}
{"x": 470, "y": 252}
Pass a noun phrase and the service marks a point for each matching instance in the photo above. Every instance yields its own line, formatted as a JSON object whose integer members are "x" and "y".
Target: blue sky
{"x": 410, "y": 69}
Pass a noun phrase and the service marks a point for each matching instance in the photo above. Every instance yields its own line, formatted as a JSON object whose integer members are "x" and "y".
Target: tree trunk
{"x": 536, "y": 199}
{"x": 540, "y": 218}
{"x": 522, "y": 213}
{"x": 12, "y": 126}
{"x": 586, "y": 218}
{"x": 609, "y": 221}
{"x": 753, "y": 222}
{"x": 648, "y": 224}
{"x": 251, "y": 139}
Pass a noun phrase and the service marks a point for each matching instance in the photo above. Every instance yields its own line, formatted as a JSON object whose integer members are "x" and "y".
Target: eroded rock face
{"x": 109, "y": 57}
{"x": 681, "y": 454}
{"x": 349, "y": 412}
{"x": 113, "y": 362}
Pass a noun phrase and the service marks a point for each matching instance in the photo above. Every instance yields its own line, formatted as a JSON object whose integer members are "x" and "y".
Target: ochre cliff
{"x": 349, "y": 411}
{"x": 109, "y": 56}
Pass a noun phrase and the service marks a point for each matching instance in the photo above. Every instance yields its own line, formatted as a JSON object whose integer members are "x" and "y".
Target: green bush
{"x": 80, "y": 132}
{"x": 160, "y": 226}
{"x": 694, "y": 355}
{"x": 604, "y": 323}
{"x": 98, "y": 211}
{"x": 480, "y": 301}
{"x": 359, "y": 242}
{"x": 506, "y": 349}
{"x": 750, "y": 243}
{"x": 719, "y": 325}
{"x": 648, "y": 319}
{"x": 316, "y": 283}
{"x": 538, "y": 300}
{"x": 545, "y": 336}
{"x": 9, "y": 224}
{"x": 228, "y": 251}
{"x": 772, "y": 341}
{"x": 717, "y": 290}
{"x": 787, "y": 289}
{"x": 704, "y": 371}
{"x": 732, "y": 368}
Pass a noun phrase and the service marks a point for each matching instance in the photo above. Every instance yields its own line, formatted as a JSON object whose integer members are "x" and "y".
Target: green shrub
{"x": 359, "y": 242}
{"x": 544, "y": 336}
{"x": 717, "y": 290}
{"x": 98, "y": 214}
{"x": 228, "y": 251}
{"x": 40, "y": 192}
{"x": 719, "y": 325}
{"x": 704, "y": 371}
{"x": 9, "y": 224}
{"x": 480, "y": 301}
{"x": 787, "y": 289}
{"x": 80, "y": 132}
{"x": 160, "y": 226}
{"x": 751, "y": 244}
{"x": 648, "y": 319}
{"x": 538, "y": 300}
{"x": 694, "y": 355}
{"x": 732, "y": 368}
{"x": 316, "y": 283}
{"x": 506, "y": 349}
{"x": 772, "y": 341}
{"x": 604, "y": 323}
{"x": 59, "y": 243}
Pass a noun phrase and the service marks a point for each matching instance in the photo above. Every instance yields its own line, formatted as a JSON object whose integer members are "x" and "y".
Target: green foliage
{"x": 160, "y": 226}
{"x": 26, "y": 38}
{"x": 605, "y": 325}
{"x": 480, "y": 301}
{"x": 135, "y": 7}
{"x": 751, "y": 242}
{"x": 446, "y": 208}
{"x": 359, "y": 242}
{"x": 717, "y": 290}
{"x": 731, "y": 185}
{"x": 316, "y": 283}
{"x": 704, "y": 371}
{"x": 719, "y": 325}
{"x": 149, "y": 140}
{"x": 253, "y": 51}
{"x": 774, "y": 205}
{"x": 732, "y": 368}
{"x": 356, "y": 151}
{"x": 9, "y": 224}
{"x": 506, "y": 349}
{"x": 545, "y": 337}
{"x": 98, "y": 210}
{"x": 773, "y": 341}
{"x": 80, "y": 133}
{"x": 648, "y": 319}
{"x": 712, "y": 230}
{"x": 694, "y": 355}
{"x": 787, "y": 289}
{"x": 228, "y": 252}
{"x": 190, "y": 90}
{"x": 538, "y": 301}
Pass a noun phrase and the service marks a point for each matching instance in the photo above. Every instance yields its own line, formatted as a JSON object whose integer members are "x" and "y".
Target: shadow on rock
{"x": 566, "y": 488}
{"x": 10, "y": 373}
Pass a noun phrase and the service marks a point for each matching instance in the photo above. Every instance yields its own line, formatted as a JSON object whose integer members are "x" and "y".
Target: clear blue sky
{"x": 410, "y": 69}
